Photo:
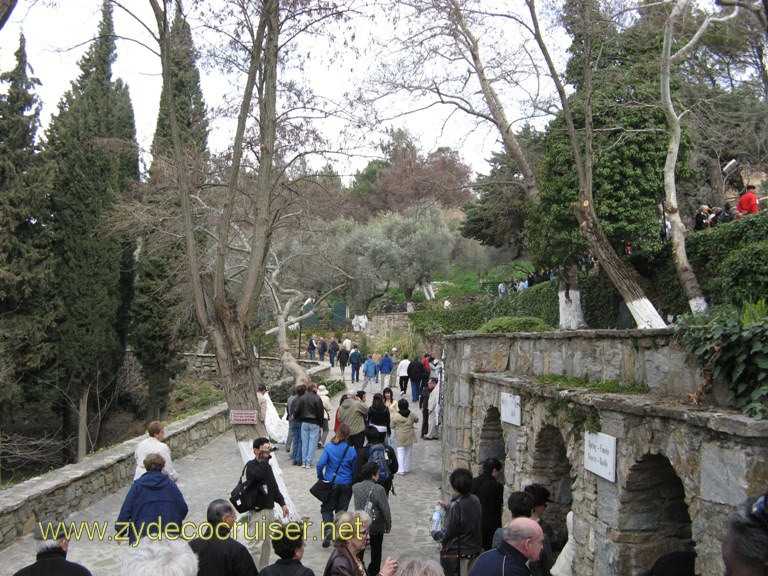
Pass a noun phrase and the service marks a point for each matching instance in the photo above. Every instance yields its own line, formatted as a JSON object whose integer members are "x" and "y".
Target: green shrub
{"x": 507, "y": 324}
{"x": 708, "y": 251}
{"x": 733, "y": 346}
{"x": 600, "y": 301}
{"x": 743, "y": 275}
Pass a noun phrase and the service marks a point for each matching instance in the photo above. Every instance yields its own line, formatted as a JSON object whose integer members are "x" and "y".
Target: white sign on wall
{"x": 510, "y": 409}
{"x": 243, "y": 416}
{"x": 600, "y": 455}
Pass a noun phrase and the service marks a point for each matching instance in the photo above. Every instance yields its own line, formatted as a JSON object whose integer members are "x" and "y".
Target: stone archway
{"x": 491, "y": 441}
{"x": 653, "y": 515}
{"x": 551, "y": 468}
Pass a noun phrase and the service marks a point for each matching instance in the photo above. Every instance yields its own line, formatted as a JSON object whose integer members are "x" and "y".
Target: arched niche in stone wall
{"x": 653, "y": 516}
{"x": 491, "y": 438}
{"x": 551, "y": 468}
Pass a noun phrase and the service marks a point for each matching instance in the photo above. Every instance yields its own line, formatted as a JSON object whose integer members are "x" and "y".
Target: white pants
{"x": 257, "y": 540}
{"x": 404, "y": 458}
{"x": 384, "y": 381}
{"x": 432, "y": 423}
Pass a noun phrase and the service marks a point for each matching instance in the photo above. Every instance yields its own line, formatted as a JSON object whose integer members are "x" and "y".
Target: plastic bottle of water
{"x": 437, "y": 519}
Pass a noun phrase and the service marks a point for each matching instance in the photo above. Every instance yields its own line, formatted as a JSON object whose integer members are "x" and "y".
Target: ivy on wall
{"x": 732, "y": 345}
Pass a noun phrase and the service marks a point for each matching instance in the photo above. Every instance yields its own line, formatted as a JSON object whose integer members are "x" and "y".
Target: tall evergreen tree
{"x": 91, "y": 142}
{"x": 26, "y": 312}
{"x": 155, "y": 325}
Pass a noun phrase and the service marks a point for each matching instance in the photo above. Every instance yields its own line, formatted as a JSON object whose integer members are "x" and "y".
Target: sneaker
{"x": 296, "y": 463}
{"x": 326, "y": 542}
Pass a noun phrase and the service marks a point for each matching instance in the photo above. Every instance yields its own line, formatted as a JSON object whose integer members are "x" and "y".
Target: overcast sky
{"x": 57, "y": 38}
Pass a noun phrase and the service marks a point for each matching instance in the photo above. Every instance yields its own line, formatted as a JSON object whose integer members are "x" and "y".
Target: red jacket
{"x": 748, "y": 203}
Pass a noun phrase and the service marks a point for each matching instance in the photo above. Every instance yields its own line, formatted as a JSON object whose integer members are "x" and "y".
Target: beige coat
{"x": 403, "y": 426}
{"x": 352, "y": 412}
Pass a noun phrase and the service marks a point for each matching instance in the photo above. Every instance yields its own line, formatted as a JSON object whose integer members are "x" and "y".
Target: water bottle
{"x": 437, "y": 519}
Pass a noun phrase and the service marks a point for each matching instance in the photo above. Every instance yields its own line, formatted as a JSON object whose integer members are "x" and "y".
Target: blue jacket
{"x": 385, "y": 366}
{"x": 152, "y": 498}
{"x": 493, "y": 562}
{"x": 330, "y": 459}
{"x": 369, "y": 368}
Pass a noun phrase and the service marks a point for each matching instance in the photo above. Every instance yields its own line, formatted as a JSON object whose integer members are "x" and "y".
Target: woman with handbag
{"x": 372, "y": 498}
{"x": 350, "y": 538}
{"x": 334, "y": 470}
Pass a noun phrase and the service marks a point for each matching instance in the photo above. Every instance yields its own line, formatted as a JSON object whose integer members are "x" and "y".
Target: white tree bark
{"x": 688, "y": 280}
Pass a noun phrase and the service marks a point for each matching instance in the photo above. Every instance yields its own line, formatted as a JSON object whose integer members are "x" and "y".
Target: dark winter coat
{"x": 259, "y": 473}
{"x": 506, "y": 560}
{"x": 491, "y": 496}
{"x": 416, "y": 371}
{"x": 53, "y": 562}
{"x": 154, "y": 497}
{"x": 222, "y": 557}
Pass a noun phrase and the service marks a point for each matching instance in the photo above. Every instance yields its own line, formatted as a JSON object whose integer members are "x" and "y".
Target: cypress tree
{"x": 91, "y": 142}
{"x": 155, "y": 318}
{"x": 26, "y": 311}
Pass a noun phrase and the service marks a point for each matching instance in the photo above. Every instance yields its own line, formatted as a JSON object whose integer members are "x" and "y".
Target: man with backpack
{"x": 380, "y": 453}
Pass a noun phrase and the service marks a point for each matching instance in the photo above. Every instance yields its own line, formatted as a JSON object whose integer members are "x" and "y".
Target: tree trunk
{"x": 6, "y": 7}
{"x": 82, "y": 425}
{"x": 571, "y": 311}
{"x": 622, "y": 276}
{"x": 685, "y": 274}
{"x": 300, "y": 375}
{"x": 238, "y": 373}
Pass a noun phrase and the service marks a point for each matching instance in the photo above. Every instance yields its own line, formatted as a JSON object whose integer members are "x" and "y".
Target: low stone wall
{"x": 651, "y": 357}
{"x": 62, "y": 492}
{"x": 201, "y": 365}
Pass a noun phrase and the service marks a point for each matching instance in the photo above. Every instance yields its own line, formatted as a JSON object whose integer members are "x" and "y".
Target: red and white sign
{"x": 243, "y": 416}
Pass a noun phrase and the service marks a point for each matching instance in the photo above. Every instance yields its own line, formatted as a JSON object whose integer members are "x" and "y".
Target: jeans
{"x": 332, "y": 358}
{"x": 295, "y": 426}
{"x": 415, "y": 390}
{"x": 310, "y": 434}
{"x": 311, "y": 354}
{"x": 355, "y": 372}
{"x": 341, "y": 494}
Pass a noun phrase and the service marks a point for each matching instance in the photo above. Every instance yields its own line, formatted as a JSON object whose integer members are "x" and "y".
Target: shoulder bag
{"x": 322, "y": 489}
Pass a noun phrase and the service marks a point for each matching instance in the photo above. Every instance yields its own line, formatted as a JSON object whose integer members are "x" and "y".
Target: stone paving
{"x": 212, "y": 472}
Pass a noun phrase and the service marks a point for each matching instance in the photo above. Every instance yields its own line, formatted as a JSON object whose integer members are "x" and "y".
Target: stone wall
{"x": 201, "y": 365}
{"x": 679, "y": 470}
{"x": 648, "y": 356}
{"x": 61, "y": 492}
{"x": 382, "y": 324}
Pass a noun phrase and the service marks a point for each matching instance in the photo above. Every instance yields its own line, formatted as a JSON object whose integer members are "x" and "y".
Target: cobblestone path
{"x": 212, "y": 472}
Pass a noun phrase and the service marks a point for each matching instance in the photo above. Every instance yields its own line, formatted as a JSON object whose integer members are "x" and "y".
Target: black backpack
{"x": 378, "y": 453}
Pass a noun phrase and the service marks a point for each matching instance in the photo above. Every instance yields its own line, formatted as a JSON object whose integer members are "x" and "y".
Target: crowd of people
{"x": 370, "y": 446}
{"x": 709, "y": 217}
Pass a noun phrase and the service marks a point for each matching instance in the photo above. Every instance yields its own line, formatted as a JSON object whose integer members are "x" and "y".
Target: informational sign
{"x": 510, "y": 409}
{"x": 243, "y": 416}
{"x": 600, "y": 455}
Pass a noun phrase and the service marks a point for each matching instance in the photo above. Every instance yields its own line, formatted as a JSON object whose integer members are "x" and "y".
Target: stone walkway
{"x": 211, "y": 473}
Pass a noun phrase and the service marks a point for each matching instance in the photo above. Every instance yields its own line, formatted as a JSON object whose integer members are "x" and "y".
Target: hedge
{"x": 730, "y": 261}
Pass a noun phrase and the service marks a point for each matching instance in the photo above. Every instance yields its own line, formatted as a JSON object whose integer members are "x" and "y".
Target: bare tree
{"x": 226, "y": 296}
{"x": 289, "y": 304}
{"x": 686, "y": 275}
{"x": 443, "y": 32}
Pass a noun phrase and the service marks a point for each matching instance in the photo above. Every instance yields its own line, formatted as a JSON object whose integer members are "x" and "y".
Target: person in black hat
{"x": 540, "y": 499}
{"x": 52, "y": 546}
